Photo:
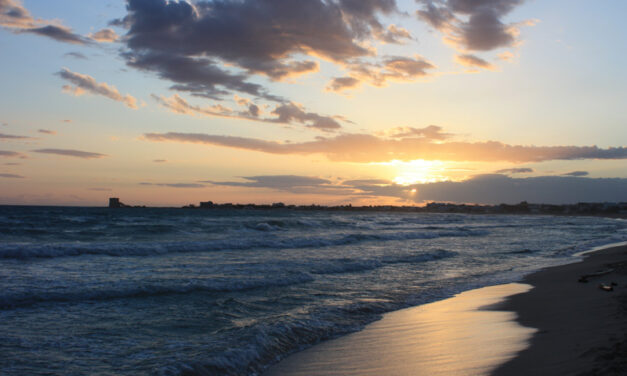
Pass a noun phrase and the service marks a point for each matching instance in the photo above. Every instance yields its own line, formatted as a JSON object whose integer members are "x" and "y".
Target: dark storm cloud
{"x": 365, "y": 148}
{"x": 71, "y": 153}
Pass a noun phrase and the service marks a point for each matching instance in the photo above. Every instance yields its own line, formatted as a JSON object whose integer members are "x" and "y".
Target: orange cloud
{"x": 365, "y": 148}
{"x": 473, "y": 61}
{"x": 86, "y": 84}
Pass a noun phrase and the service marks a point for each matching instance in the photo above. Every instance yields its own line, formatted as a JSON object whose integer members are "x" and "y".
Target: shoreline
{"x": 446, "y": 337}
{"x": 582, "y": 329}
{"x": 559, "y": 326}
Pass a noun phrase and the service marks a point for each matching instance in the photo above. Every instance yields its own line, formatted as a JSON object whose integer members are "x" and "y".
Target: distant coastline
{"x": 608, "y": 209}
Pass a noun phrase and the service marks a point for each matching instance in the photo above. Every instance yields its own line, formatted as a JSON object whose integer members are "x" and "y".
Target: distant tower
{"x": 114, "y": 202}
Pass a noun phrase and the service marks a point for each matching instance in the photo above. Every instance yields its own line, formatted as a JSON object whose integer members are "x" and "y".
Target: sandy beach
{"x": 582, "y": 329}
{"x": 555, "y": 323}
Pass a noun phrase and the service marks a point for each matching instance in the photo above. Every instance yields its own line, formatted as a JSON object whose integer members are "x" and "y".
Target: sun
{"x": 418, "y": 172}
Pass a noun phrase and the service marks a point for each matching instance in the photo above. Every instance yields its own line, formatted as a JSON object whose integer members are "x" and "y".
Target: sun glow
{"x": 418, "y": 172}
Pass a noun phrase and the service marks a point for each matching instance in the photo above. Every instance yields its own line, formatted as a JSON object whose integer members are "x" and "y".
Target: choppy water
{"x": 174, "y": 291}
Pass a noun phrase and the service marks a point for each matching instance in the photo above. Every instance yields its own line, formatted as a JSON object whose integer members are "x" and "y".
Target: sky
{"x": 368, "y": 102}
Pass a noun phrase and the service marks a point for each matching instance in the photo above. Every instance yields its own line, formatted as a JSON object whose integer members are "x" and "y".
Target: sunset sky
{"x": 308, "y": 101}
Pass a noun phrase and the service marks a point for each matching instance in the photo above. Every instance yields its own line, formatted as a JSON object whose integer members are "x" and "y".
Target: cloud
{"x": 104, "y": 36}
{"x": 12, "y": 154}
{"x": 367, "y": 148}
{"x": 71, "y": 153}
{"x": 197, "y": 75}
{"x": 523, "y": 170}
{"x": 58, "y": 33}
{"x": 577, "y": 173}
{"x": 390, "y": 69}
{"x": 285, "y": 113}
{"x": 160, "y": 161}
{"x": 496, "y": 189}
{"x": 99, "y": 189}
{"x": 12, "y": 164}
{"x": 175, "y": 185}
{"x": 15, "y": 17}
{"x": 432, "y": 132}
{"x": 366, "y": 182}
{"x": 76, "y": 55}
{"x": 87, "y": 84}
{"x": 474, "y": 25}
{"x": 275, "y": 39}
{"x": 343, "y": 83}
{"x": 480, "y": 189}
{"x": 4, "y": 136}
{"x": 275, "y": 181}
{"x": 473, "y": 61}
{"x": 288, "y": 183}
{"x": 11, "y": 176}
{"x": 47, "y": 131}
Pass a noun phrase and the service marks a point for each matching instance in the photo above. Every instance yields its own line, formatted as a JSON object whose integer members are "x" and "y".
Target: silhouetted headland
{"x": 115, "y": 202}
{"x": 613, "y": 209}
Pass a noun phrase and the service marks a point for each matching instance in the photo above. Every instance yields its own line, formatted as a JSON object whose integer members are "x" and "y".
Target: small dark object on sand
{"x": 605, "y": 287}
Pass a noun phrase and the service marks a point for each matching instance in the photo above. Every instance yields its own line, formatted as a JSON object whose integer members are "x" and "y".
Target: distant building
{"x": 114, "y": 202}
{"x": 206, "y": 204}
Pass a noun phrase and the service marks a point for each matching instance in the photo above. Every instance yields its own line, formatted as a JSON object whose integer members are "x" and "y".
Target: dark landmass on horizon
{"x": 612, "y": 209}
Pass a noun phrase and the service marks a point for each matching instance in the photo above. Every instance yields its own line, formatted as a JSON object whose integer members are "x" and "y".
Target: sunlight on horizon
{"x": 418, "y": 172}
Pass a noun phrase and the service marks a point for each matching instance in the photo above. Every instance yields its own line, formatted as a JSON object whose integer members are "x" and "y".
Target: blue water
{"x": 178, "y": 291}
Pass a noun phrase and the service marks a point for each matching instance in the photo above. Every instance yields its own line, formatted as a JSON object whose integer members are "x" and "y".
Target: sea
{"x": 155, "y": 291}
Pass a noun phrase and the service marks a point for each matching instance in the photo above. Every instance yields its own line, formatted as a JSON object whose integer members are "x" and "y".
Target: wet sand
{"x": 559, "y": 327}
{"x": 449, "y": 337}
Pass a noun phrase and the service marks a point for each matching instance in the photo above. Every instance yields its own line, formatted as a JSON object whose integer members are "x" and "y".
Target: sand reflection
{"x": 456, "y": 336}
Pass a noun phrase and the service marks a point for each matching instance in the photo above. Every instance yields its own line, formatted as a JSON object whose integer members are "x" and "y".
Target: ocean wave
{"x": 15, "y": 300}
{"x": 285, "y": 274}
{"x": 272, "y": 342}
{"x": 118, "y": 249}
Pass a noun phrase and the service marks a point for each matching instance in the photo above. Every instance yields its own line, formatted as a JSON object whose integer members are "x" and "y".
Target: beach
{"x": 582, "y": 329}
{"x": 234, "y": 292}
{"x": 554, "y": 323}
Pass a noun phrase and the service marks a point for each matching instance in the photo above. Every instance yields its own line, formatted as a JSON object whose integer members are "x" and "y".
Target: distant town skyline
{"x": 402, "y": 102}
